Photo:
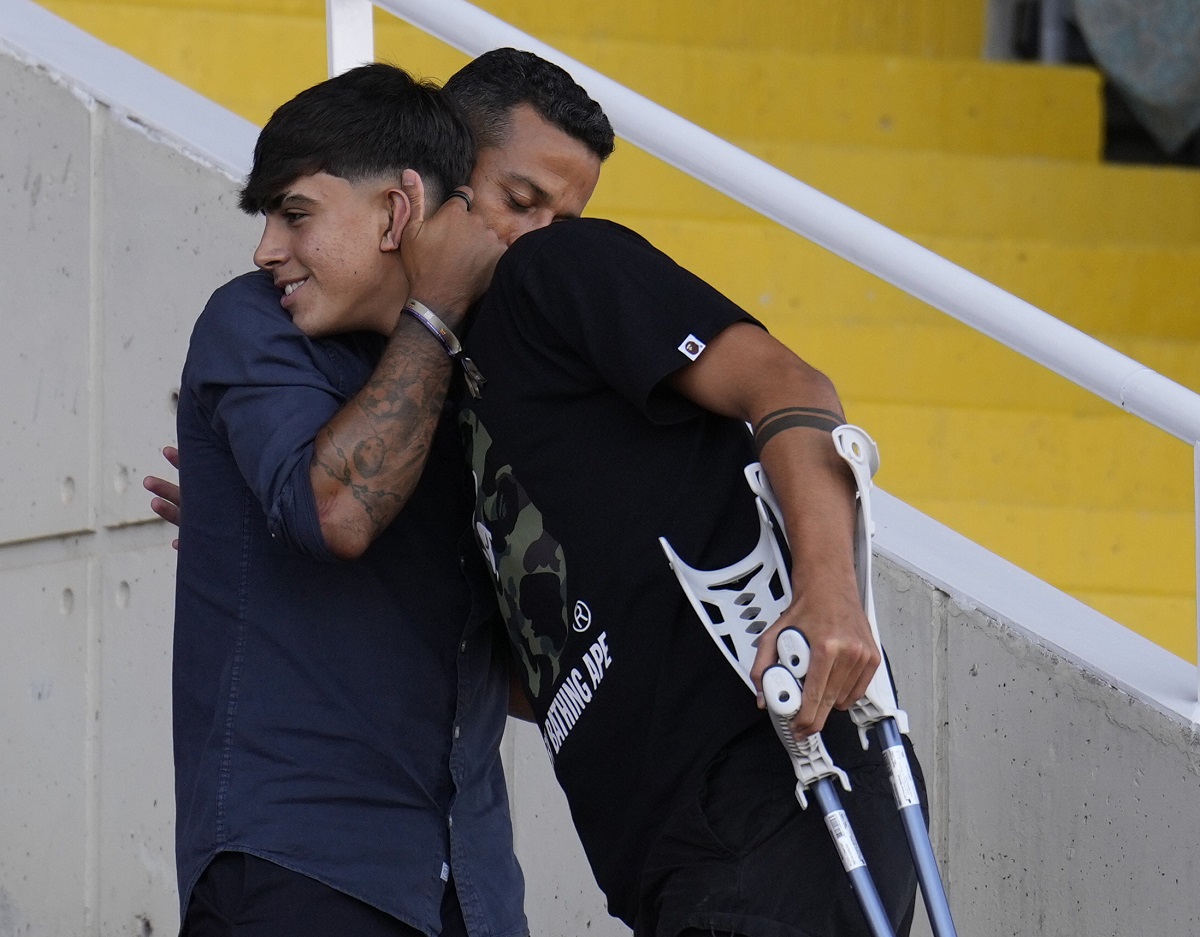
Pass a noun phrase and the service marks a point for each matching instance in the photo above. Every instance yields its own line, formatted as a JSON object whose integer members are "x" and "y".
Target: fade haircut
{"x": 489, "y": 87}
{"x": 372, "y": 121}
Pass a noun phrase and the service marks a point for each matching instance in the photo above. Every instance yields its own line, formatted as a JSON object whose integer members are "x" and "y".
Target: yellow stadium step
{"x": 1121, "y": 291}
{"x": 862, "y": 99}
{"x": 248, "y": 58}
{"x": 254, "y": 55}
{"x": 1138, "y": 567}
{"x": 1168, "y": 620}
{"x": 1102, "y": 289}
{"x": 1142, "y": 552}
{"x": 959, "y": 106}
{"x": 946, "y": 364}
{"x": 941, "y": 194}
{"x": 932, "y": 28}
{"x": 1103, "y": 462}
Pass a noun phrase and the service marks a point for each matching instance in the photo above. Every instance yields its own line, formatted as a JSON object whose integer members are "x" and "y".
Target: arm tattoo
{"x": 379, "y": 504}
{"x": 399, "y": 412}
{"x": 369, "y": 455}
{"x": 794, "y": 417}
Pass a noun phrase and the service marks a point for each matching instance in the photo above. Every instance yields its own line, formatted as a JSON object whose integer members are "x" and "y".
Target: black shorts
{"x": 739, "y": 857}
{"x": 240, "y": 895}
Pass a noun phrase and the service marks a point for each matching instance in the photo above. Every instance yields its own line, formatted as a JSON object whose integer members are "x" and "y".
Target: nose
{"x": 272, "y": 247}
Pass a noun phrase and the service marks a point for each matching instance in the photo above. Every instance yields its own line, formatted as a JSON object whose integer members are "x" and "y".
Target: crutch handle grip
{"x": 792, "y": 648}
{"x": 877, "y": 704}
{"x": 810, "y": 760}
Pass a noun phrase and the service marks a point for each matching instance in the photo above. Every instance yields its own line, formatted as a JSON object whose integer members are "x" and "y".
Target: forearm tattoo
{"x": 791, "y": 417}
{"x": 396, "y": 413}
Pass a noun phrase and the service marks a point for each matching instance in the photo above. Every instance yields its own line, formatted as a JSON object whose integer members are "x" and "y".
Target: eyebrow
{"x": 289, "y": 198}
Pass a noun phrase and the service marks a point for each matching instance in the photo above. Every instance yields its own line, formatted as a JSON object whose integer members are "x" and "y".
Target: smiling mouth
{"x": 292, "y": 287}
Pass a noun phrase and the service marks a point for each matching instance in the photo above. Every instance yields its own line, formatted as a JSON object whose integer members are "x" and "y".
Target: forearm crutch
{"x": 877, "y": 709}
{"x": 745, "y": 597}
{"x": 736, "y": 604}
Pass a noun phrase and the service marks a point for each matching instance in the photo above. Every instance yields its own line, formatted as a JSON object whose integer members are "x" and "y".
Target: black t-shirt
{"x": 582, "y": 458}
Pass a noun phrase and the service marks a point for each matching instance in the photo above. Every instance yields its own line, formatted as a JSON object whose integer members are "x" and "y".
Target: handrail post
{"x": 350, "y": 34}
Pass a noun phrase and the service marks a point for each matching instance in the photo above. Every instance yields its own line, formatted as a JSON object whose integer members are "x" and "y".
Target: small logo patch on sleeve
{"x": 691, "y": 347}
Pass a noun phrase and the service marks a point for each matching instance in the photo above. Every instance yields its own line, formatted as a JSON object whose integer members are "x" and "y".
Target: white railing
{"x": 801, "y": 208}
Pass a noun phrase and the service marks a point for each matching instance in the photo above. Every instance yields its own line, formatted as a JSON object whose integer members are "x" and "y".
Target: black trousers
{"x": 240, "y": 895}
{"x": 739, "y": 857}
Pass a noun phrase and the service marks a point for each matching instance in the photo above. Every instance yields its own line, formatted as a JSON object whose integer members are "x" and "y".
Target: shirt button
{"x": 449, "y": 821}
{"x": 456, "y": 732}
{"x": 462, "y": 648}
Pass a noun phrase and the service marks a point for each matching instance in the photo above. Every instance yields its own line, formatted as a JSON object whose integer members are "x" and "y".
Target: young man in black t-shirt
{"x": 618, "y": 388}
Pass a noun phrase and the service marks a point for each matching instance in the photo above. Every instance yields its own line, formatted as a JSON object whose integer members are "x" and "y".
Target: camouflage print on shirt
{"x": 526, "y": 562}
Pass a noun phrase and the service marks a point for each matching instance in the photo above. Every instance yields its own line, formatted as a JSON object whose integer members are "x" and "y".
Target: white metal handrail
{"x": 773, "y": 193}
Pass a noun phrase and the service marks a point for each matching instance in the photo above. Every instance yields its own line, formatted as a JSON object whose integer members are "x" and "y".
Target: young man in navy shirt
{"x": 338, "y": 697}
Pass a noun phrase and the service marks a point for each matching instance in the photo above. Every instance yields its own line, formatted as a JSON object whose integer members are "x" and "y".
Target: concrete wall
{"x": 109, "y": 242}
{"x": 1063, "y": 763}
{"x": 1061, "y": 804}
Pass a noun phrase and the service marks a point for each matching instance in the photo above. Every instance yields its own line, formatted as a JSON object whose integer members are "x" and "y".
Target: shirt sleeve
{"x": 265, "y": 389}
{"x": 631, "y": 313}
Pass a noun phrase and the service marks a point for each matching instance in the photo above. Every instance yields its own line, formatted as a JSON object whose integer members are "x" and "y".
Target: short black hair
{"x": 374, "y": 120}
{"x": 489, "y": 87}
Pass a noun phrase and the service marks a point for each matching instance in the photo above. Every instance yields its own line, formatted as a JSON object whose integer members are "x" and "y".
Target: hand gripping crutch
{"x": 736, "y": 604}
{"x": 760, "y": 578}
{"x": 877, "y": 709}
{"x": 814, "y": 769}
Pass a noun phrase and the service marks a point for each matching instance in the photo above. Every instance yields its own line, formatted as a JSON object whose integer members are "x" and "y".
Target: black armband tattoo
{"x": 793, "y": 417}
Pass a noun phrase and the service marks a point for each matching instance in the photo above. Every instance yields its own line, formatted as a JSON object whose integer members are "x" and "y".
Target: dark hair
{"x": 374, "y": 120}
{"x": 489, "y": 87}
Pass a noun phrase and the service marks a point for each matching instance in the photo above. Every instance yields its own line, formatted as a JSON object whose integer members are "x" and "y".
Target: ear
{"x": 400, "y": 212}
{"x": 405, "y": 205}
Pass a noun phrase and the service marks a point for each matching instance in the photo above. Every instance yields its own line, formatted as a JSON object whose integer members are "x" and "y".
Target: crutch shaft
{"x": 929, "y": 877}
{"x": 826, "y": 795}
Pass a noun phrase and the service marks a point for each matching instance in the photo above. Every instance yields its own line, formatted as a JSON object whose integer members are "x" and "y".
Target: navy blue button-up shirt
{"x": 341, "y": 719}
